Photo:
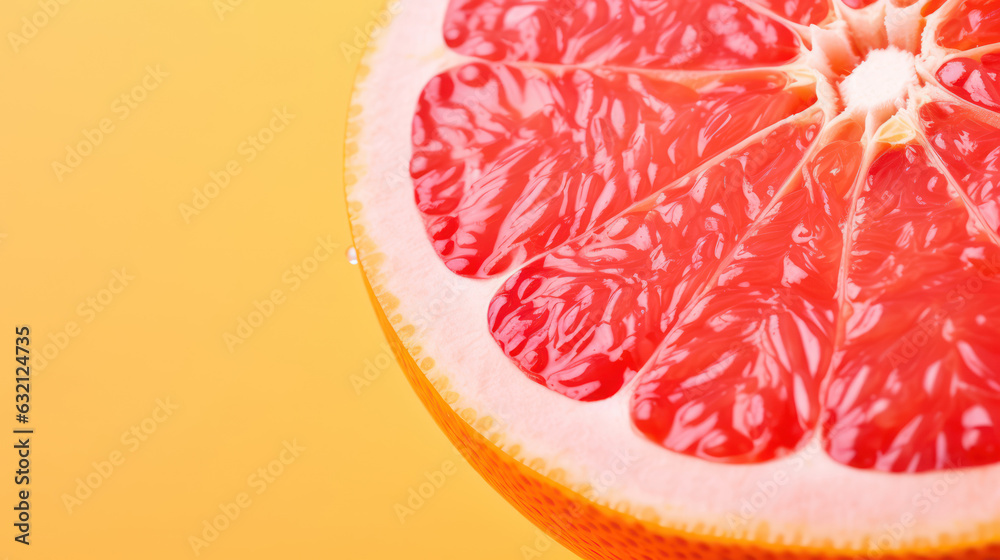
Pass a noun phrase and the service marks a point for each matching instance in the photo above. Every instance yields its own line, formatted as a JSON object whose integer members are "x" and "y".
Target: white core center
{"x": 879, "y": 85}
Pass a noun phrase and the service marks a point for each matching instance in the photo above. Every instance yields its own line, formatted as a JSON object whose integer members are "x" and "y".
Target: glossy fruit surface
{"x": 766, "y": 291}
{"x": 739, "y": 239}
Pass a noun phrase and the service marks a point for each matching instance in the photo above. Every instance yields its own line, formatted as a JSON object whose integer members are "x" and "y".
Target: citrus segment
{"x": 584, "y": 319}
{"x": 968, "y": 150}
{"x": 976, "y": 81}
{"x": 678, "y": 34}
{"x": 717, "y": 269}
{"x": 738, "y": 379}
{"x": 510, "y": 162}
{"x": 971, "y": 24}
{"x": 914, "y": 388}
{"x": 513, "y": 162}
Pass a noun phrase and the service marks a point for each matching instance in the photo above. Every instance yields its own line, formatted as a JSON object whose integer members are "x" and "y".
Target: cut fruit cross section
{"x": 915, "y": 387}
{"x": 510, "y": 162}
{"x": 720, "y": 250}
{"x": 584, "y": 319}
{"x": 709, "y": 34}
{"x": 514, "y": 163}
{"x": 738, "y": 379}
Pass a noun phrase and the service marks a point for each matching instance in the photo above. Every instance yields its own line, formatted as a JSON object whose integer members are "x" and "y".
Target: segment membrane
{"x": 584, "y": 319}
{"x": 738, "y": 379}
{"x": 970, "y": 151}
{"x": 915, "y": 385}
{"x": 509, "y": 162}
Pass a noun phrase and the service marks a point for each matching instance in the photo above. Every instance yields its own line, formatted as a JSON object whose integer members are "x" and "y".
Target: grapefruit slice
{"x": 710, "y": 279}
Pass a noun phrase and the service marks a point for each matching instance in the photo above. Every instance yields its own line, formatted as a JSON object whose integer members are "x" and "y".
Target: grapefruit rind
{"x": 547, "y": 454}
{"x": 595, "y": 530}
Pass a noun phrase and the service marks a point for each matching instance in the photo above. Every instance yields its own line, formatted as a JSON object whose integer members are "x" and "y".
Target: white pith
{"x": 879, "y": 86}
{"x": 821, "y": 503}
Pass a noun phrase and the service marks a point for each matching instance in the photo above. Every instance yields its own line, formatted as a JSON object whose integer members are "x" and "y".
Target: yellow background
{"x": 64, "y": 235}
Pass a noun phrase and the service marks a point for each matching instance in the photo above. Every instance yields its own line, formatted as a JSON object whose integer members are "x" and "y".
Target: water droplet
{"x": 352, "y": 255}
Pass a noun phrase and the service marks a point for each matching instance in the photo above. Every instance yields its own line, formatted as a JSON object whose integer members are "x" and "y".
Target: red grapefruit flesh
{"x": 974, "y": 80}
{"x": 858, "y": 4}
{"x": 711, "y": 34}
{"x": 584, "y": 319}
{"x": 916, "y": 385}
{"x": 972, "y": 23}
{"x": 726, "y": 243}
{"x": 738, "y": 379}
{"x": 512, "y": 163}
{"x": 805, "y": 12}
{"x": 967, "y": 148}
